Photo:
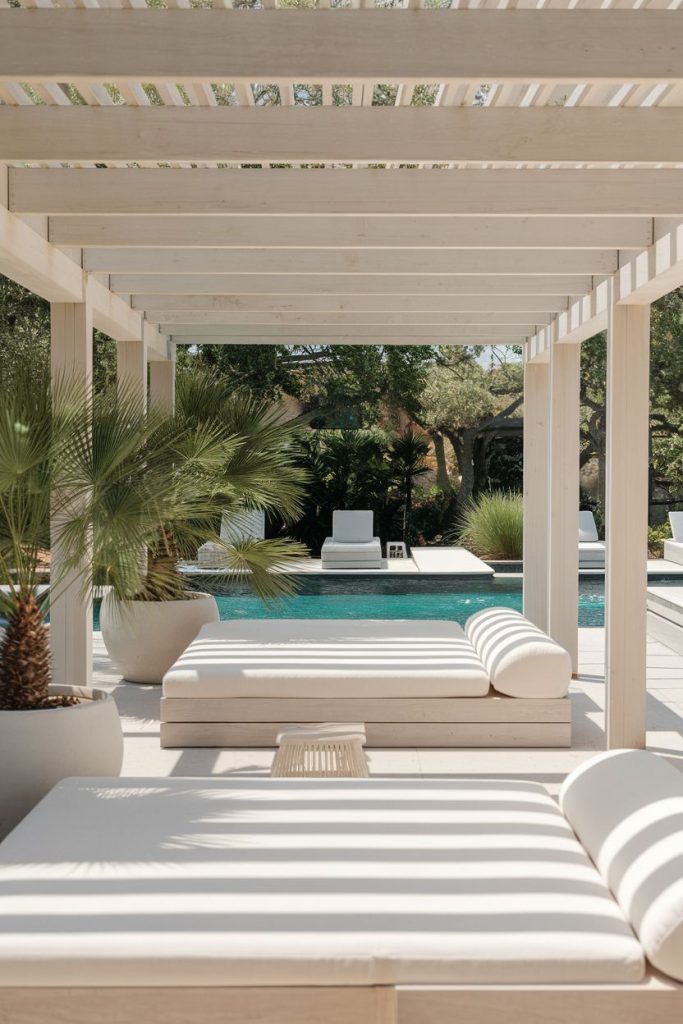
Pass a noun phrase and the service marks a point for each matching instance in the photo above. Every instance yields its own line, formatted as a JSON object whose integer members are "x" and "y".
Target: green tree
{"x": 408, "y": 456}
{"x": 462, "y": 399}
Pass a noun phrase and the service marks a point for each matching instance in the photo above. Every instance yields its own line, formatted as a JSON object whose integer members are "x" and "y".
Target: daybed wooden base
{"x": 491, "y": 721}
{"x": 656, "y": 1001}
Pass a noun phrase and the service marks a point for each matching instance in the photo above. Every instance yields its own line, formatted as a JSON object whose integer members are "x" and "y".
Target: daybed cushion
{"x": 521, "y": 660}
{"x": 626, "y": 807}
{"x": 173, "y": 882}
{"x": 356, "y": 551}
{"x": 593, "y": 553}
{"x": 328, "y": 658}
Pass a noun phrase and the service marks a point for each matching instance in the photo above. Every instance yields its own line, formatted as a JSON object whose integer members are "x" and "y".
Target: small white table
{"x": 328, "y": 749}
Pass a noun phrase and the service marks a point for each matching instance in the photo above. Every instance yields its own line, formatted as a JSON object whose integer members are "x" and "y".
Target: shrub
{"x": 492, "y": 526}
{"x": 656, "y": 535}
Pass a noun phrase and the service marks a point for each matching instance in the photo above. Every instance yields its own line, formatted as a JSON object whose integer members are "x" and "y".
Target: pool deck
{"x": 139, "y": 707}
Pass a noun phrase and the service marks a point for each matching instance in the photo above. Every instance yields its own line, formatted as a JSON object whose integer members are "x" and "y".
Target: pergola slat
{"x": 334, "y": 134}
{"x": 407, "y": 233}
{"x": 333, "y": 46}
{"x": 532, "y": 306}
{"x": 487, "y": 193}
{"x": 324, "y": 262}
{"x": 361, "y": 284}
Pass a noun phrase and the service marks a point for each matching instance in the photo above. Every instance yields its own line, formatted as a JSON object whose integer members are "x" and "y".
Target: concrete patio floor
{"x": 139, "y": 707}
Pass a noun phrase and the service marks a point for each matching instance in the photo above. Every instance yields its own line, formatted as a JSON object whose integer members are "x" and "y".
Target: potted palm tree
{"x": 47, "y": 732}
{"x": 161, "y": 492}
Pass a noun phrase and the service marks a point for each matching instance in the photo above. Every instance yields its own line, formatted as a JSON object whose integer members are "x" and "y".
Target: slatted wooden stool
{"x": 329, "y": 749}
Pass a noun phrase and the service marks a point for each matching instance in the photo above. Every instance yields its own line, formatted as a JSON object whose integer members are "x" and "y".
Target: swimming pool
{"x": 401, "y": 597}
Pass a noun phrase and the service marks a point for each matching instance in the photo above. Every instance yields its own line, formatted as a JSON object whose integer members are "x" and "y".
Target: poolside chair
{"x": 673, "y": 549}
{"x": 591, "y": 549}
{"x": 352, "y": 545}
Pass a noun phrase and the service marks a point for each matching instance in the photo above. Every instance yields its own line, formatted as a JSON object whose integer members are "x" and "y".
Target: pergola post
{"x": 563, "y": 496}
{"x": 131, "y": 370}
{"x": 535, "y": 581}
{"x": 70, "y": 606}
{"x": 162, "y": 384}
{"x": 628, "y": 397}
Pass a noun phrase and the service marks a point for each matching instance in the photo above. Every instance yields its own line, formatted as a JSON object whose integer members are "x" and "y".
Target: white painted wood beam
{"x": 162, "y": 384}
{"x": 131, "y": 371}
{"x": 335, "y": 319}
{"x": 370, "y": 338}
{"x": 360, "y": 46}
{"x": 598, "y": 135}
{"x": 27, "y": 258}
{"x": 408, "y": 232}
{"x": 351, "y": 262}
{"x": 628, "y": 397}
{"x": 488, "y": 193}
{"x": 532, "y": 306}
{"x": 493, "y": 332}
{"x": 641, "y": 279}
{"x": 535, "y": 580}
{"x": 563, "y": 496}
{"x": 71, "y": 354}
{"x": 359, "y": 284}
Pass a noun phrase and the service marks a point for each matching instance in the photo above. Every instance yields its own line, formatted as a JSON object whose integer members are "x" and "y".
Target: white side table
{"x": 329, "y": 749}
{"x": 396, "y": 549}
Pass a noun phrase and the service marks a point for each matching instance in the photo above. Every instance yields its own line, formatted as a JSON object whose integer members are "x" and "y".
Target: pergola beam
{"x": 641, "y": 279}
{"x": 531, "y": 306}
{"x": 325, "y": 262}
{"x": 334, "y": 47}
{"x": 598, "y": 135}
{"x": 371, "y": 338}
{"x": 274, "y": 332}
{"x": 523, "y": 322}
{"x": 375, "y": 192}
{"x": 345, "y": 284}
{"x": 27, "y": 258}
{"x": 408, "y": 232}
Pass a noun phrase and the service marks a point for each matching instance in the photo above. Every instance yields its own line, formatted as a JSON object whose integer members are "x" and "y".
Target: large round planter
{"x": 39, "y": 748}
{"x": 144, "y": 638}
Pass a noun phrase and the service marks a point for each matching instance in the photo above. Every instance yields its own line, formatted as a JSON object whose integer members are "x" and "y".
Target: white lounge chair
{"x": 673, "y": 549}
{"x": 591, "y": 549}
{"x": 352, "y": 545}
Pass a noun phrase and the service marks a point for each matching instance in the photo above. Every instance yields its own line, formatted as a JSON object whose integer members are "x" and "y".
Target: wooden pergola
{"x": 483, "y": 171}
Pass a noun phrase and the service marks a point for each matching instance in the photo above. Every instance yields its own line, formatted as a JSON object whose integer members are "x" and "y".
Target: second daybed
{"x": 499, "y": 682}
{"x": 373, "y": 901}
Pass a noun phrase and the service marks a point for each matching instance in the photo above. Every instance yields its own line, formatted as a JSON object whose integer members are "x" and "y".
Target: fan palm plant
{"x": 133, "y": 493}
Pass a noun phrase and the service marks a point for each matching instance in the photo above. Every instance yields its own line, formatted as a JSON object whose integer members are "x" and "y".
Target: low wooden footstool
{"x": 325, "y": 750}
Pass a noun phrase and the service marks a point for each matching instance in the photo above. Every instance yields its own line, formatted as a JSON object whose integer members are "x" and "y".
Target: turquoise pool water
{"x": 422, "y": 597}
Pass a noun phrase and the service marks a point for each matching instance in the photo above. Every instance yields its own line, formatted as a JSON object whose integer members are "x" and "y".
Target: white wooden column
{"x": 131, "y": 370}
{"x": 162, "y": 384}
{"x": 535, "y": 581}
{"x": 563, "y": 496}
{"x": 70, "y": 607}
{"x": 628, "y": 400}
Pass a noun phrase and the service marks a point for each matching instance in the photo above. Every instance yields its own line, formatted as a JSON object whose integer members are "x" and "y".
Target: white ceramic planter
{"x": 39, "y": 748}
{"x": 144, "y": 638}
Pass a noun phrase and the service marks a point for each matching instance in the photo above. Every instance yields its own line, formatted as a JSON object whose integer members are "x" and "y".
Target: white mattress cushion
{"x": 357, "y": 550}
{"x": 626, "y": 806}
{"x": 521, "y": 660}
{"x": 594, "y": 552}
{"x": 328, "y": 658}
{"x": 304, "y": 882}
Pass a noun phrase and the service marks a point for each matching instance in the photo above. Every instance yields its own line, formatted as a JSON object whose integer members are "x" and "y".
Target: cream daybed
{"x": 499, "y": 682}
{"x": 422, "y": 901}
